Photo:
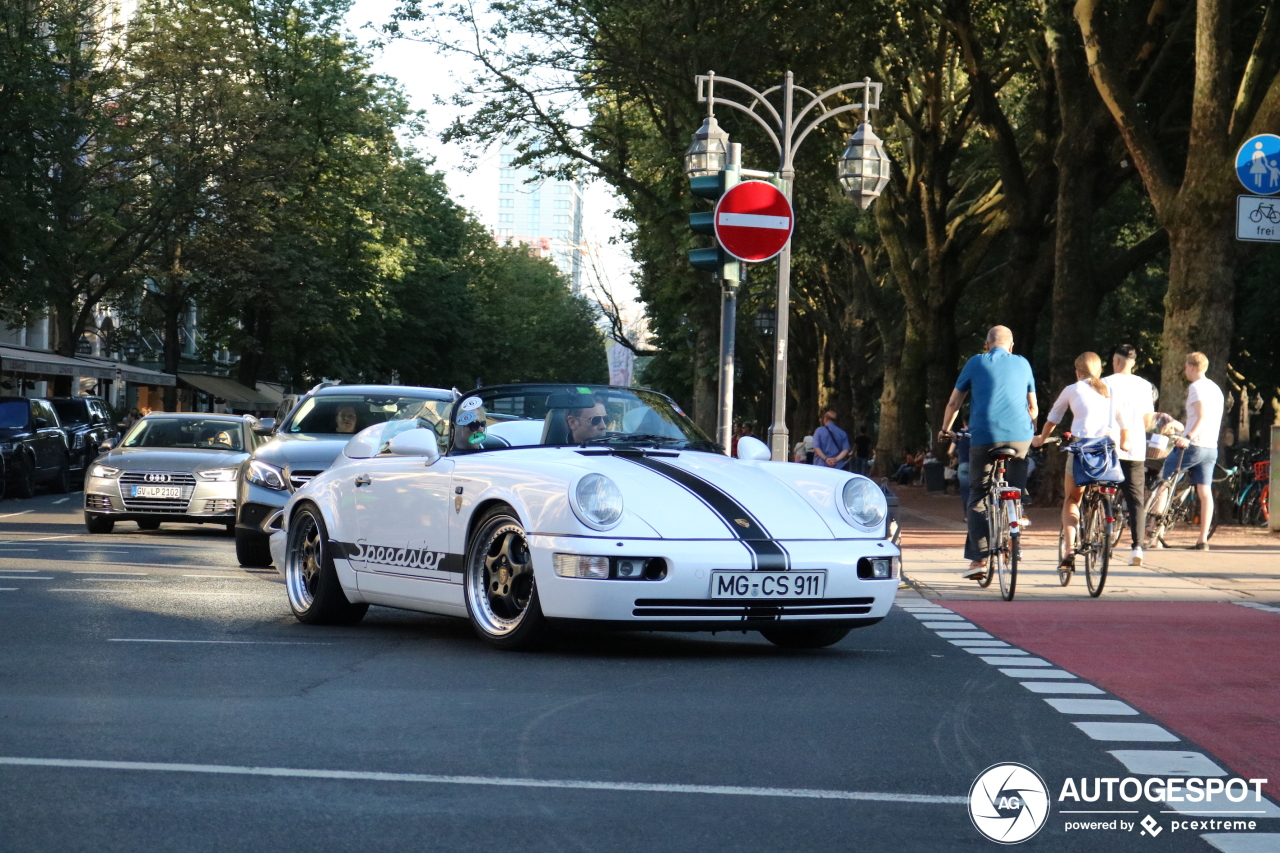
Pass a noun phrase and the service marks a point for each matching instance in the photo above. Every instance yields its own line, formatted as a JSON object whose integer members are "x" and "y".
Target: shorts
{"x": 1198, "y": 462}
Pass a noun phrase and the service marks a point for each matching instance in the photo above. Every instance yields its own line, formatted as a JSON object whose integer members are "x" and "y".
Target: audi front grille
{"x": 184, "y": 481}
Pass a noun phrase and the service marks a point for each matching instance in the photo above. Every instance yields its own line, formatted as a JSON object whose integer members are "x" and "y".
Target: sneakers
{"x": 1199, "y": 546}
{"x": 974, "y": 574}
{"x": 1135, "y": 557}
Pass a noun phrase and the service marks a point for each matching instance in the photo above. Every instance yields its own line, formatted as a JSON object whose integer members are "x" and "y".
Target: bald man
{"x": 1003, "y": 413}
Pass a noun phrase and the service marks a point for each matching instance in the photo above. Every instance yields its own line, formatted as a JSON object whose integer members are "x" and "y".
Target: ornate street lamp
{"x": 709, "y": 152}
{"x": 766, "y": 322}
{"x": 864, "y": 166}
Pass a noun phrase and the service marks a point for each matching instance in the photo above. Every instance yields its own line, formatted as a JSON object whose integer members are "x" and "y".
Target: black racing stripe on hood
{"x": 766, "y": 553}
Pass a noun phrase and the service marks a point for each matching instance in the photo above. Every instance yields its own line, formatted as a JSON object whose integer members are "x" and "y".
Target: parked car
{"x": 33, "y": 446}
{"x": 589, "y": 506}
{"x": 306, "y": 442}
{"x": 170, "y": 467}
{"x": 88, "y": 422}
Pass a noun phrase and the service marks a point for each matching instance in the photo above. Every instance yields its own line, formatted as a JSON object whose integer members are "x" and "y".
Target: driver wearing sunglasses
{"x": 586, "y": 424}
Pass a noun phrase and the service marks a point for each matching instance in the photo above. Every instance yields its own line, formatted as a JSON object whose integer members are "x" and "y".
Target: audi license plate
{"x": 775, "y": 585}
{"x": 157, "y": 491}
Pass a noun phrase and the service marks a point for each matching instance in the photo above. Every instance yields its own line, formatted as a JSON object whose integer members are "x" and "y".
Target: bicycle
{"x": 1267, "y": 210}
{"x": 1173, "y": 501}
{"x": 1094, "y": 532}
{"x": 1004, "y": 524}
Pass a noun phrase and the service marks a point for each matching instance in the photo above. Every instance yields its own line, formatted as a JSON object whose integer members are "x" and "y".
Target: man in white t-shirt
{"x": 1197, "y": 448}
{"x": 1134, "y": 399}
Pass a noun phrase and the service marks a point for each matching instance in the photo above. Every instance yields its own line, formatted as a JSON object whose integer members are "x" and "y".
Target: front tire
{"x": 315, "y": 593}
{"x": 252, "y": 549}
{"x": 804, "y": 636}
{"x": 1003, "y": 560}
{"x": 148, "y": 524}
{"x": 95, "y": 523}
{"x": 501, "y": 593}
{"x": 1099, "y": 549}
{"x": 24, "y": 485}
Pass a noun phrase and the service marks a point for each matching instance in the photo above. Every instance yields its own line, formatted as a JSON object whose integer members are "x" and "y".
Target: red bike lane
{"x": 1209, "y": 671}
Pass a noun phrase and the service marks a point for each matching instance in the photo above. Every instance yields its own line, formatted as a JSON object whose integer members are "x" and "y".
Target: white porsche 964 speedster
{"x": 543, "y": 505}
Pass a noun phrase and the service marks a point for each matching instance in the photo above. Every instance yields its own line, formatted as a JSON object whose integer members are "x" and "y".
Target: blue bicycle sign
{"x": 1258, "y": 164}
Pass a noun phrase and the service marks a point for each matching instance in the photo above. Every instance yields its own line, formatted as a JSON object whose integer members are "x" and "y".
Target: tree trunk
{"x": 172, "y": 346}
{"x": 1199, "y": 305}
{"x": 902, "y": 403}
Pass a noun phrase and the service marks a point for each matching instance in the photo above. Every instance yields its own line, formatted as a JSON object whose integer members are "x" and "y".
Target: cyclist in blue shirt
{"x": 1003, "y": 413}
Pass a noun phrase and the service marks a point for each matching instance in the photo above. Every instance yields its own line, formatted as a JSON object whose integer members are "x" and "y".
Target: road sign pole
{"x": 728, "y": 335}
{"x": 779, "y": 437}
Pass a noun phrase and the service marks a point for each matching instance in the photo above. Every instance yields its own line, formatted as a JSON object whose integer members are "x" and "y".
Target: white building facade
{"x": 543, "y": 213}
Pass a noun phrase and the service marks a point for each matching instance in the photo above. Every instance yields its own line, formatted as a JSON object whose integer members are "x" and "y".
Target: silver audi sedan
{"x": 170, "y": 467}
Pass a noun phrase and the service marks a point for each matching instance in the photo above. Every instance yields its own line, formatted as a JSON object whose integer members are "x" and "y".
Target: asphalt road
{"x": 155, "y": 648}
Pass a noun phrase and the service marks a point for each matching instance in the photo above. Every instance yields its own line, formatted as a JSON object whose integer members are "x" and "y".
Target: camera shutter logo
{"x": 1009, "y": 803}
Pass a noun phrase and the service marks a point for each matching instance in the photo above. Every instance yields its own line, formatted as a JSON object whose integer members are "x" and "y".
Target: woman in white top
{"x": 1091, "y": 417}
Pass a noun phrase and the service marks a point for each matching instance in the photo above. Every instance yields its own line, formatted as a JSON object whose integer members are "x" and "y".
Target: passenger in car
{"x": 346, "y": 419}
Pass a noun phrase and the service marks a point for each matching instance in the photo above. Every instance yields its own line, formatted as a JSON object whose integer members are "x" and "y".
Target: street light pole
{"x": 863, "y": 173}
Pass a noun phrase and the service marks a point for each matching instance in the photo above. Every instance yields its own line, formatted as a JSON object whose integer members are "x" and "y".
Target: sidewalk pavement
{"x": 1243, "y": 565}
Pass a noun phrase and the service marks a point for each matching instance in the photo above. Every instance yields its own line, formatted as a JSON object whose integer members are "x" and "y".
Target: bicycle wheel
{"x": 1064, "y": 574}
{"x": 1004, "y": 551}
{"x": 986, "y": 579}
{"x": 1121, "y": 514}
{"x": 1157, "y": 510}
{"x": 1099, "y": 546}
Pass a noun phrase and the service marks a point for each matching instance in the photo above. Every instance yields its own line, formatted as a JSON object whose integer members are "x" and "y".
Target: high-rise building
{"x": 543, "y": 213}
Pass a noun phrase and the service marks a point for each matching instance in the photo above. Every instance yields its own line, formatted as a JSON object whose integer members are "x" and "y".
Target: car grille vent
{"x": 298, "y": 479}
{"x": 727, "y": 609}
{"x": 220, "y": 505}
{"x": 92, "y": 501}
{"x": 185, "y": 481}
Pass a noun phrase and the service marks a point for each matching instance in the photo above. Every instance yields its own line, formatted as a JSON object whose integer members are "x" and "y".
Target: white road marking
{"x": 219, "y": 577}
{"x": 61, "y": 500}
{"x": 1125, "y": 731}
{"x": 1059, "y": 687}
{"x": 491, "y": 781}
{"x": 87, "y": 572}
{"x": 986, "y": 650}
{"x": 1167, "y": 762}
{"x": 980, "y": 644}
{"x": 937, "y": 614}
{"x": 61, "y": 536}
{"x": 1106, "y": 707}
{"x": 948, "y": 626}
{"x": 1256, "y": 606}
{"x": 17, "y": 571}
{"x": 1249, "y": 808}
{"x": 220, "y": 642}
{"x": 8, "y": 577}
{"x": 1011, "y": 661}
{"x": 12, "y": 514}
{"x": 8, "y": 589}
{"x": 965, "y": 635}
{"x": 16, "y": 550}
{"x": 1241, "y": 842}
{"x": 1037, "y": 673}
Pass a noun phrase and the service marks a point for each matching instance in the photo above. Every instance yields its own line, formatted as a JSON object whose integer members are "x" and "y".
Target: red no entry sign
{"x": 754, "y": 221}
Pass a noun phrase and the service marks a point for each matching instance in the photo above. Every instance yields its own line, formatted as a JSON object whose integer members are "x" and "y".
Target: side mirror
{"x": 752, "y": 449}
{"x": 416, "y": 442}
{"x": 41, "y": 423}
{"x": 107, "y": 445}
{"x": 266, "y": 426}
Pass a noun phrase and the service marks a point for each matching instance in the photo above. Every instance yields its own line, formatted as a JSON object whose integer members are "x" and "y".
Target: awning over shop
{"x": 236, "y": 395}
{"x": 128, "y": 372}
{"x": 44, "y": 363}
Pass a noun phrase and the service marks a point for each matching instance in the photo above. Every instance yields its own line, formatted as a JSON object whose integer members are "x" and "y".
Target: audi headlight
{"x": 218, "y": 475}
{"x": 863, "y": 503}
{"x": 267, "y": 476}
{"x": 597, "y": 501}
{"x": 104, "y": 471}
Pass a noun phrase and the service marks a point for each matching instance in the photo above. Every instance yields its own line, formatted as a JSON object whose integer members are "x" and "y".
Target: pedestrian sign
{"x": 1258, "y": 164}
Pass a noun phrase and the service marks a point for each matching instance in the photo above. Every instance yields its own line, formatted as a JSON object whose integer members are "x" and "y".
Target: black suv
{"x": 33, "y": 446}
{"x": 88, "y": 422}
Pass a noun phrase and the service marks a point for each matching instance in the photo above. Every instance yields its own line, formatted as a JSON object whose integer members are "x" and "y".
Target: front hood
{"x": 170, "y": 459}
{"x": 303, "y": 452}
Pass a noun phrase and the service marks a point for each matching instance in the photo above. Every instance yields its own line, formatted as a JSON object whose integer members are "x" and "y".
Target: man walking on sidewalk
{"x": 1003, "y": 412}
{"x": 1205, "y": 405}
{"x": 1134, "y": 401}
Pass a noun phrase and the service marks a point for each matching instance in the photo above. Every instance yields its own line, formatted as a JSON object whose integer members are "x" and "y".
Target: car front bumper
{"x": 208, "y": 502}
{"x": 257, "y": 506}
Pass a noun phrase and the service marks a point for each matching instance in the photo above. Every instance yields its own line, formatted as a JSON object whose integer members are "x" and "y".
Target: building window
{"x": 562, "y": 235}
{"x": 507, "y": 173}
{"x": 506, "y": 217}
{"x": 562, "y": 204}
{"x": 506, "y": 202}
{"x": 506, "y": 159}
{"x": 506, "y": 188}
{"x": 562, "y": 189}
{"x": 560, "y": 219}
{"x": 506, "y": 232}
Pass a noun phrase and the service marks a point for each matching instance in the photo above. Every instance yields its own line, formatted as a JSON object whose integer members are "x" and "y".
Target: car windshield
{"x": 573, "y": 415}
{"x": 347, "y": 414}
{"x": 13, "y": 414}
{"x": 186, "y": 432}
{"x": 71, "y": 412}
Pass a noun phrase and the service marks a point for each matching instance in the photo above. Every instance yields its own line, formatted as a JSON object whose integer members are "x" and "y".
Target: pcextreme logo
{"x": 1009, "y": 803}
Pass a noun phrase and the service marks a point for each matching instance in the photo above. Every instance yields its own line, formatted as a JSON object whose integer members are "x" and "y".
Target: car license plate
{"x": 157, "y": 491}
{"x": 772, "y": 585}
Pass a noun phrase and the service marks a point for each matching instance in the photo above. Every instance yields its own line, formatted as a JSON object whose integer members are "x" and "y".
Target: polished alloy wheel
{"x": 500, "y": 577}
{"x": 306, "y": 557}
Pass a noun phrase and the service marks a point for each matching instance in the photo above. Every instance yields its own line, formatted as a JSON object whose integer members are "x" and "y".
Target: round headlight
{"x": 864, "y": 502}
{"x": 597, "y": 500}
